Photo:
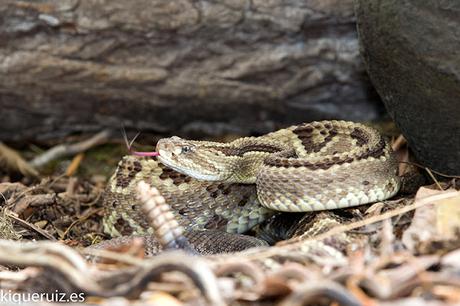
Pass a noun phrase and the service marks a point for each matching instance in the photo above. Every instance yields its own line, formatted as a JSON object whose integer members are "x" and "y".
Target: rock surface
{"x": 183, "y": 67}
{"x": 412, "y": 53}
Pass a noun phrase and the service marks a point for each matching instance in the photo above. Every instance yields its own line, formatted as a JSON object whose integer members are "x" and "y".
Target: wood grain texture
{"x": 188, "y": 67}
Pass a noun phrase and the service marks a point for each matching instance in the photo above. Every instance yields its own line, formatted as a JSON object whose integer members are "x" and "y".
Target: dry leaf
{"x": 448, "y": 216}
{"x": 438, "y": 220}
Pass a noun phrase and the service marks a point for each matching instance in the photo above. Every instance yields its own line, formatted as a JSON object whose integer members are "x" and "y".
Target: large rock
{"x": 412, "y": 52}
{"x": 183, "y": 67}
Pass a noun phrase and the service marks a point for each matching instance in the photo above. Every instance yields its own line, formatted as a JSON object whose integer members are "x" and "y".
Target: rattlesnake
{"x": 234, "y": 186}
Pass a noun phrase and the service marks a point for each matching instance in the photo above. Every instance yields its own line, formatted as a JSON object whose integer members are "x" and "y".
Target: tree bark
{"x": 184, "y": 67}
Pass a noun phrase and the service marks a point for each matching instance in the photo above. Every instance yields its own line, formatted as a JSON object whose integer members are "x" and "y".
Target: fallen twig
{"x": 433, "y": 178}
{"x": 28, "y": 225}
{"x": 12, "y": 160}
{"x": 398, "y": 143}
{"x": 21, "y": 203}
{"x": 115, "y": 256}
{"x": 311, "y": 292}
{"x": 76, "y": 161}
{"x": 70, "y": 149}
{"x": 70, "y": 270}
{"x": 88, "y": 214}
{"x": 431, "y": 170}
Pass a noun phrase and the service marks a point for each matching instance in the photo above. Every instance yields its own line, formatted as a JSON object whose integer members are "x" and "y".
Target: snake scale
{"x": 234, "y": 186}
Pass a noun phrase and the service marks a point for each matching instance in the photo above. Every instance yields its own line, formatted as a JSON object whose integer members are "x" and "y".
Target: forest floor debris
{"x": 411, "y": 256}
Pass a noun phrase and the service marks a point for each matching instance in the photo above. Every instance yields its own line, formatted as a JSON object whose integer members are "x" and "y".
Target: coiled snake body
{"x": 234, "y": 186}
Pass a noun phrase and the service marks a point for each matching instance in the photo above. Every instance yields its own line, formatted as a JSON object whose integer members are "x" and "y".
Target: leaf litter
{"x": 410, "y": 254}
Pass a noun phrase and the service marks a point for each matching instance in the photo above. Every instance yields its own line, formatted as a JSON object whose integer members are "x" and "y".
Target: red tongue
{"x": 145, "y": 153}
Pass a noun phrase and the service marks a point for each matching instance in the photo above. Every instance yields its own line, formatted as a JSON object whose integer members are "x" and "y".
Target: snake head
{"x": 193, "y": 158}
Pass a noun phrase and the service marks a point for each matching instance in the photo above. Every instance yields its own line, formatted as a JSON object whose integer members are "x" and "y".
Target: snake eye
{"x": 186, "y": 149}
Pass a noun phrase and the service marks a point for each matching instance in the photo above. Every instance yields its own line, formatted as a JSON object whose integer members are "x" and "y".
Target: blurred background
{"x": 70, "y": 69}
{"x": 183, "y": 67}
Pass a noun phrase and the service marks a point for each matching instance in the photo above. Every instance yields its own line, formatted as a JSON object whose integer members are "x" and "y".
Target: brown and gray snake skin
{"x": 234, "y": 186}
